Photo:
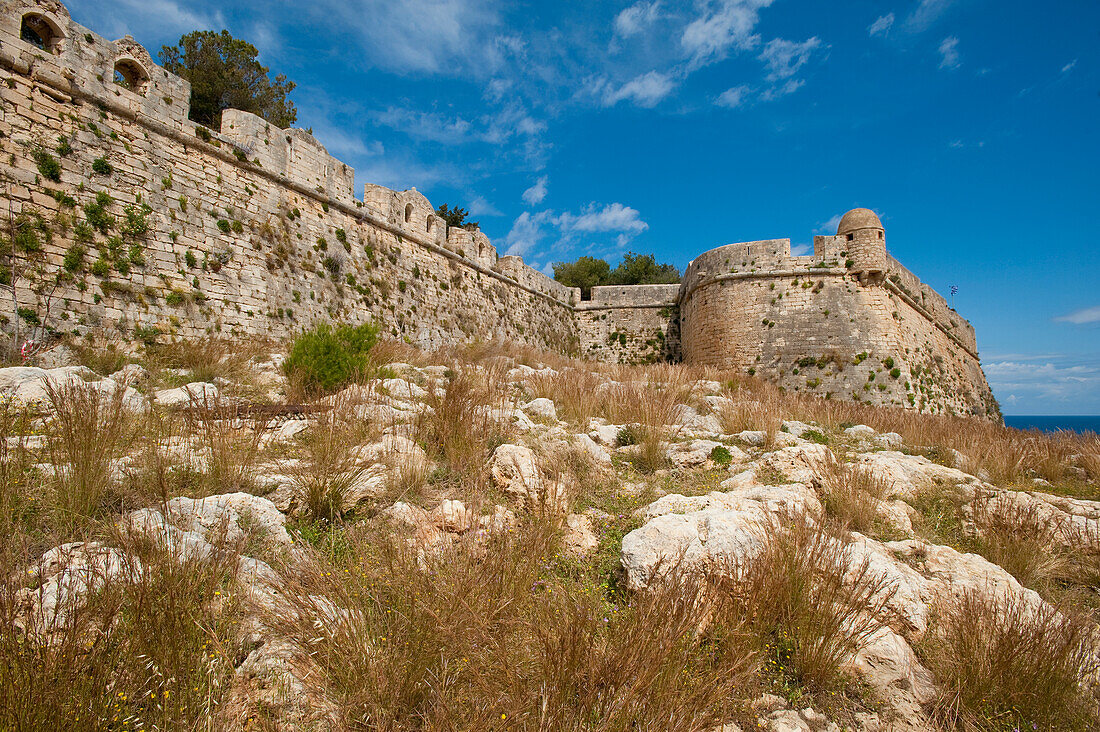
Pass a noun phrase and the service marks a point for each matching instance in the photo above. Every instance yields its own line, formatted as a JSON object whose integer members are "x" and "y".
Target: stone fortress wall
{"x": 251, "y": 229}
{"x": 161, "y": 228}
{"x": 847, "y": 321}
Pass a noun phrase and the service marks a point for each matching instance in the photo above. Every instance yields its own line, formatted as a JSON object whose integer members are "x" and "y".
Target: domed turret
{"x": 865, "y": 240}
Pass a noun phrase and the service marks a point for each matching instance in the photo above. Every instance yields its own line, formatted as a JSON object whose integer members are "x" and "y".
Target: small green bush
{"x": 100, "y": 166}
{"x": 815, "y": 436}
{"x": 48, "y": 165}
{"x": 96, "y": 212}
{"x": 74, "y": 257}
{"x": 328, "y": 358}
{"x": 627, "y": 435}
{"x": 721, "y": 455}
{"x": 190, "y": 259}
{"x": 224, "y": 226}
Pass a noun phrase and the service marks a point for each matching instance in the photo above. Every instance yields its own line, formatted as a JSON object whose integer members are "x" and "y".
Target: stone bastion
{"x": 135, "y": 222}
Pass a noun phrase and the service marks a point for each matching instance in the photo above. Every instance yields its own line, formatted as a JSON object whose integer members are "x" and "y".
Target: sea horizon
{"x": 1080, "y": 423}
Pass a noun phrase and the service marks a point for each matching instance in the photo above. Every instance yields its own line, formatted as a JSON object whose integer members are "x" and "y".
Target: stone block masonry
{"x": 160, "y": 226}
{"x": 129, "y": 219}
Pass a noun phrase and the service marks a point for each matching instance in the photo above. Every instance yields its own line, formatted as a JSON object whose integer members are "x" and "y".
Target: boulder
{"x": 452, "y": 516}
{"x": 197, "y": 392}
{"x": 691, "y": 454}
{"x": 541, "y": 408}
{"x": 580, "y": 539}
{"x": 860, "y": 432}
{"x": 753, "y": 438}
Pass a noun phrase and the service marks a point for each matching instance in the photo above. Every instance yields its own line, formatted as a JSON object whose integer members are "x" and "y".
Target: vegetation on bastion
{"x": 635, "y": 269}
{"x": 225, "y": 74}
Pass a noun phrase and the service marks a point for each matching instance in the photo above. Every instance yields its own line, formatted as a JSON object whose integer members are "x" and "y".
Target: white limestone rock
{"x": 198, "y": 392}
{"x": 580, "y": 538}
{"x": 541, "y": 408}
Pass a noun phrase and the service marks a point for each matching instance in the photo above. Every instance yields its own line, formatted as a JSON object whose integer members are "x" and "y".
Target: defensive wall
{"x": 249, "y": 229}
{"x": 131, "y": 219}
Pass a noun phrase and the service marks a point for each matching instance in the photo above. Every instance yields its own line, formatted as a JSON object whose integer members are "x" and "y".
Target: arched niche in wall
{"x": 38, "y": 30}
{"x": 130, "y": 74}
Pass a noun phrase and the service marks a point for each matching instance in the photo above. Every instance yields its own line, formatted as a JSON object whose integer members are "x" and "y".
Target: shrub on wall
{"x": 329, "y": 358}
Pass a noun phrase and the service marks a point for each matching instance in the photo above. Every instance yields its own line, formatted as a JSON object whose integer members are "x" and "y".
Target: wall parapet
{"x": 631, "y": 296}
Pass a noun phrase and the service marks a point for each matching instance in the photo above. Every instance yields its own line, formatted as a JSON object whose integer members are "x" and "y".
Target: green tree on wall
{"x": 225, "y": 74}
{"x": 455, "y": 217}
{"x": 585, "y": 273}
{"x": 635, "y": 269}
{"x": 643, "y": 269}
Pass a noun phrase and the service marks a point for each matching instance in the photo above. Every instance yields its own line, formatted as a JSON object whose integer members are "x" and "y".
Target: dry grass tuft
{"x": 88, "y": 433}
{"x": 465, "y": 639}
{"x": 651, "y": 409}
{"x": 207, "y": 359}
{"x": 329, "y": 466}
{"x": 575, "y": 392}
{"x": 152, "y": 648}
{"x": 1002, "y": 663}
{"x": 811, "y": 605}
{"x": 1019, "y": 538}
{"x": 465, "y": 425}
{"x": 232, "y": 443}
{"x": 851, "y": 495}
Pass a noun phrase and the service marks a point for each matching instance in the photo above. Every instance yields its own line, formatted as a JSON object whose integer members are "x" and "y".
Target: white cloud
{"x": 724, "y": 24}
{"x": 776, "y": 92}
{"x": 1081, "y": 317}
{"x": 1069, "y": 67}
{"x": 611, "y": 217}
{"x": 949, "y": 53}
{"x": 341, "y": 144}
{"x": 536, "y": 193}
{"x": 830, "y": 226}
{"x": 732, "y": 97}
{"x": 1047, "y": 381}
{"x": 639, "y": 16}
{"x": 481, "y": 207}
{"x": 424, "y": 125}
{"x": 925, "y": 14}
{"x": 784, "y": 58}
{"x": 801, "y": 250}
{"x": 645, "y": 90}
{"x": 143, "y": 18}
{"x": 526, "y": 232}
{"x": 419, "y": 36}
{"x": 882, "y": 25}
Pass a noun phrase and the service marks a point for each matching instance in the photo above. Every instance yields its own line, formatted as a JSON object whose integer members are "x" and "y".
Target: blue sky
{"x": 587, "y": 127}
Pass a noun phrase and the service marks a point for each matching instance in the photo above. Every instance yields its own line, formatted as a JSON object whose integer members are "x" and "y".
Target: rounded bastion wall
{"x": 820, "y": 330}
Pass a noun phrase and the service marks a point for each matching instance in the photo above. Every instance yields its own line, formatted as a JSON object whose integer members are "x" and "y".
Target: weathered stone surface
{"x": 542, "y": 408}
{"x": 580, "y": 538}
{"x": 194, "y": 393}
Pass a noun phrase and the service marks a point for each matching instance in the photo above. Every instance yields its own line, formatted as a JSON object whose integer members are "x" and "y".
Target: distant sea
{"x": 1048, "y": 423}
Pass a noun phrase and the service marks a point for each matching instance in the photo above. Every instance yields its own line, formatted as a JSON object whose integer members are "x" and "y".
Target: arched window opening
{"x": 38, "y": 31}
{"x": 130, "y": 75}
{"x": 408, "y": 212}
{"x": 880, "y": 235}
{"x": 430, "y": 222}
{"x": 851, "y": 237}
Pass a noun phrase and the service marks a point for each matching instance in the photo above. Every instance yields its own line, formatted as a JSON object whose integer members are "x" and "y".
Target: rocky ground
{"x": 866, "y": 582}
